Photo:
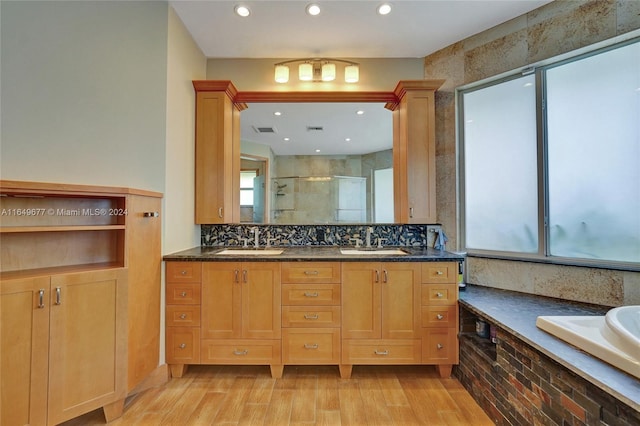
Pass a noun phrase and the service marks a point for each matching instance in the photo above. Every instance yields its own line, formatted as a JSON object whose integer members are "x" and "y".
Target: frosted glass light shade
{"x": 328, "y": 72}
{"x": 305, "y": 72}
{"x": 351, "y": 74}
{"x": 282, "y": 73}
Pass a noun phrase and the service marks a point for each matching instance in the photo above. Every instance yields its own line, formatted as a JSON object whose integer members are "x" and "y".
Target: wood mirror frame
{"x": 218, "y": 106}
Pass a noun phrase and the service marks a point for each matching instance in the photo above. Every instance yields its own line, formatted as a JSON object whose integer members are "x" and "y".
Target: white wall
{"x": 84, "y": 92}
{"x": 185, "y": 62}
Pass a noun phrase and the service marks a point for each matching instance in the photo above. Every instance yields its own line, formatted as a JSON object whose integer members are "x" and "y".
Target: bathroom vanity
{"x": 311, "y": 306}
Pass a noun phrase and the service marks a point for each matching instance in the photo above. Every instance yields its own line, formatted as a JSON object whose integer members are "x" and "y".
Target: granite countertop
{"x": 313, "y": 253}
{"x": 517, "y": 312}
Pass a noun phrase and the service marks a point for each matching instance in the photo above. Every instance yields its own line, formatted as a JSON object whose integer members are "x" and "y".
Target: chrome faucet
{"x": 256, "y": 231}
{"x": 368, "y": 237}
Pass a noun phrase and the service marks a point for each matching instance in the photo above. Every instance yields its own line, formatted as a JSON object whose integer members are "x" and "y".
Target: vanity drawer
{"x": 311, "y": 316}
{"x": 184, "y": 272}
{"x": 439, "y": 316}
{"x": 183, "y": 315}
{"x": 183, "y": 294}
{"x": 183, "y": 345}
{"x": 367, "y": 351}
{"x": 311, "y": 294}
{"x": 440, "y": 346}
{"x": 440, "y": 272}
{"x": 439, "y": 294}
{"x": 311, "y": 346}
{"x": 310, "y": 272}
{"x": 241, "y": 351}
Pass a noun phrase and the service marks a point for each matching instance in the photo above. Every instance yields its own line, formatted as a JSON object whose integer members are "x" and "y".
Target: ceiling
{"x": 343, "y": 29}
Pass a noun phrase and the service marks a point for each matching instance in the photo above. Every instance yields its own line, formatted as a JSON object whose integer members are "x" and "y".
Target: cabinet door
{"x": 261, "y": 300}
{"x": 361, "y": 300}
{"x": 400, "y": 300}
{"x": 221, "y": 300}
{"x": 24, "y": 346}
{"x": 144, "y": 262}
{"x": 88, "y": 345}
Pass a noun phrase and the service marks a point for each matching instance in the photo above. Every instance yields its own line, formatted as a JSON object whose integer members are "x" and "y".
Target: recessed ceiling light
{"x": 313, "y": 9}
{"x": 347, "y": 139}
{"x": 360, "y": 112}
{"x": 242, "y": 11}
{"x": 384, "y": 9}
{"x": 277, "y": 113}
{"x": 317, "y": 150}
{"x": 286, "y": 139}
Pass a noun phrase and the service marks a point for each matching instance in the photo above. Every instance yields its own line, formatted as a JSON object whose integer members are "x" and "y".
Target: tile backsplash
{"x": 321, "y": 235}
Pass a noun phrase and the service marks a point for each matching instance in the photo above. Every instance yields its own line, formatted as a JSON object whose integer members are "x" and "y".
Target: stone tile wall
{"x": 517, "y": 385}
{"x": 556, "y": 28}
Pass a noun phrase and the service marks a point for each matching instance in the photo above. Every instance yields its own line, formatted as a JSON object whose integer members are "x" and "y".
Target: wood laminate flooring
{"x": 305, "y": 395}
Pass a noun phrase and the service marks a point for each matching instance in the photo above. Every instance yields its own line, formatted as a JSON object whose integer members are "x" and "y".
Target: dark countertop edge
{"x": 313, "y": 254}
{"x": 504, "y": 307}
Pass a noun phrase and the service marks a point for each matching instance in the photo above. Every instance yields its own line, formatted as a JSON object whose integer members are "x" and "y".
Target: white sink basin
{"x": 360, "y": 252}
{"x": 251, "y": 252}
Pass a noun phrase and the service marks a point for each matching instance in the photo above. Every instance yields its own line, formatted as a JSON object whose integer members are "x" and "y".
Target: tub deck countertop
{"x": 313, "y": 253}
{"x": 517, "y": 312}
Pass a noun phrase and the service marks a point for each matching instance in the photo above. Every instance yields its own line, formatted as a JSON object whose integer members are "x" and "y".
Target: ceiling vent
{"x": 315, "y": 128}
{"x": 264, "y": 129}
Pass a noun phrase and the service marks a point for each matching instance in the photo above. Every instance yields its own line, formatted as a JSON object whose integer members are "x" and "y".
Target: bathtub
{"x": 614, "y": 337}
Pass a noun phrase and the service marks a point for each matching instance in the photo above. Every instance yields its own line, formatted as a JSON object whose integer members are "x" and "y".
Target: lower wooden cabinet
{"x": 311, "y": 313}
{"x": 63, "y": 346}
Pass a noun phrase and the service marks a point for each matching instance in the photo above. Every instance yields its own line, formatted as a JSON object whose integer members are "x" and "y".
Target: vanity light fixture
{"x": 317, "y": 69}
{"x": 242, "y": 10}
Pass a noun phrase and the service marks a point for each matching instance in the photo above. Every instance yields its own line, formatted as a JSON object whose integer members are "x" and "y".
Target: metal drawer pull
{"x": 311, "y": 346}
{"x": 311, "y": 316}
{"x": 220, "y": 212}
{"x": 439, "y": 273}
{"x": 182, "y": 345}
{"x": 183, "y": 294}
{"x": 240, "y": 353}
{"x": 183, "y": 316}
{"x": 439, "y": 316}
{"x": 411, "y": 212}
{"x": 438, "y": 294}
{"x": 244, "y": 276}
{"x": 385, "y": 275}
{"x": 377, "y": 276}
{"x": 439, "y": 346}
{"x": 309, "y": 294}
{"x": 151, "y": 214}
{"x": 41, "y": 299}
{"x": 385, "y": 352}
{"x": 311, "y": 272}
{"x": 58, "y": 296}
{"x": 236, "y": 272}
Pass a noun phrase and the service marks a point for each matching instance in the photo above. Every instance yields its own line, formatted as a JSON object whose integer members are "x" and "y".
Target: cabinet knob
{"x": 183, "y": 272}
{"x": 439, "y": 295}
{"x": 439, "y": 346}
{"x": 242, "y": 352}
{"x": 439, "y": 316}
{"x": 183, "y": 316}
{"x": 385, "y": 352}
{"x": 183, "y": 294}
{"x": 439, "y": 273}
{"x": 311, "y": 346}
{"x": 182, "y": 345}
{"x": 151, "y": 214}
{"x": 311, "y": 316}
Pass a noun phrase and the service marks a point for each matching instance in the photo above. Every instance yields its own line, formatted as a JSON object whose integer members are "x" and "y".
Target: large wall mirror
{"x": 316, "y": 162}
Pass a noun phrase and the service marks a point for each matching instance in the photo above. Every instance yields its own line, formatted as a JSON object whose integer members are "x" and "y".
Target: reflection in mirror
{"x": 321, "y": 163}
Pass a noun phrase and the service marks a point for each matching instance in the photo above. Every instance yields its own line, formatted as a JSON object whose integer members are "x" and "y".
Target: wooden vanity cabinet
{"x": 381, "y": 314}
{"x": 241, "y": 321}
{"x": 311, "y": 313}
{"x": 439, "y": 315}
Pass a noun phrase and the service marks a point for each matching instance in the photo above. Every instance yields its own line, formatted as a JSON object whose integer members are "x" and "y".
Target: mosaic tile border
{"x": 320, "y": 235}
